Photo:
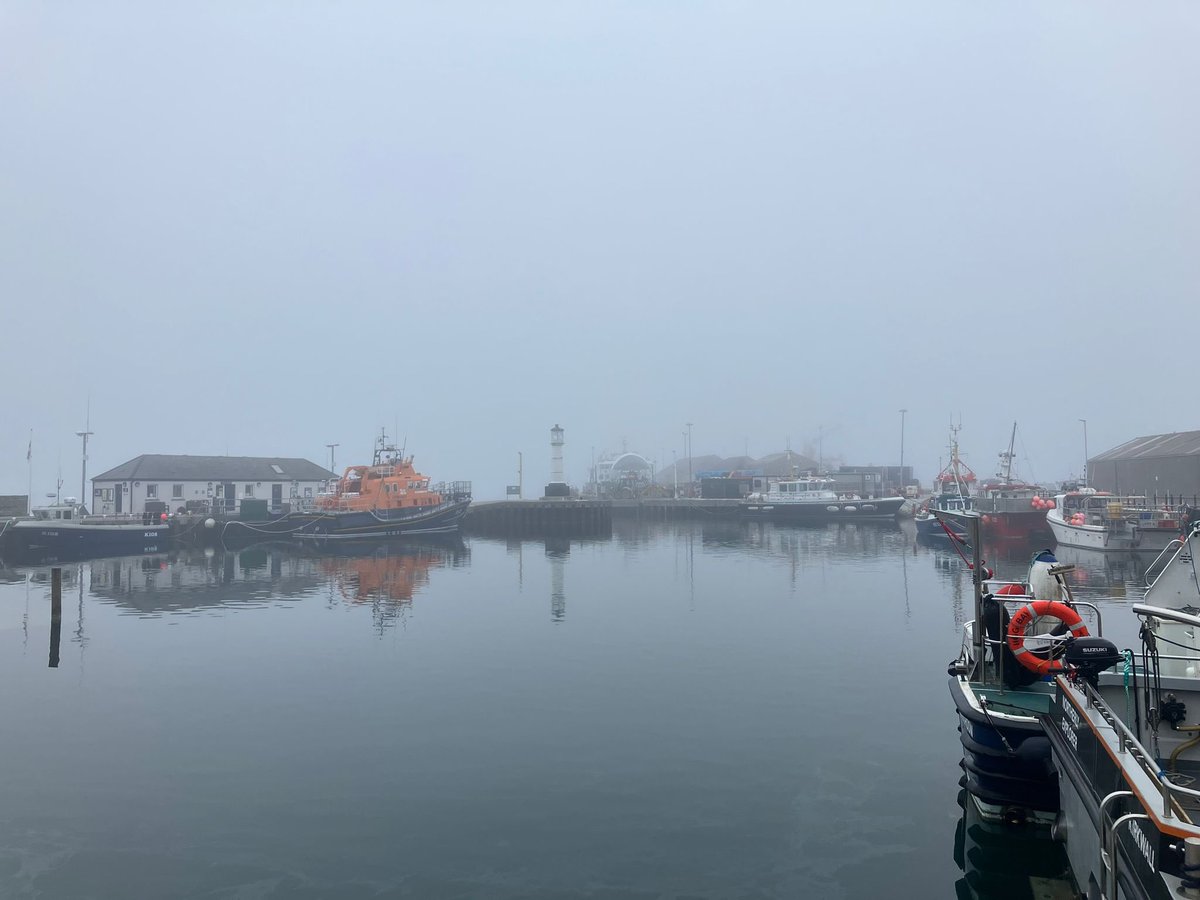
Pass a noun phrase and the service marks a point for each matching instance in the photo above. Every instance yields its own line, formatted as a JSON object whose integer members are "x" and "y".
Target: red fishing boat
{"x": 1012, "y": 509}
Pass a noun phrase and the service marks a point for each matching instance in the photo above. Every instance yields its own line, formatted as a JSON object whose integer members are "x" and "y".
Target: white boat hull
{"x": 1127, "y": 536}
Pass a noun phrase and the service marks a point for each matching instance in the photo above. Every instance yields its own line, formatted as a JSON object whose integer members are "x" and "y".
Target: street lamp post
{"x": 83, "y": 498}
{"x": 1086, "y": 475}
{"x": 332, "y": 467}
{"x": 902, "y": 414}
{"x": 689, "y": 455}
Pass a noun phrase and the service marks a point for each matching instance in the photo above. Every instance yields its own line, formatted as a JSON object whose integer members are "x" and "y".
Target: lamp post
{"x": 83, "y": 498}
{"x": 902, "y": 414}
{"x": 689, "y": 455}
{"x": 331, "y": 462}
{"x": 1086, "y": 476}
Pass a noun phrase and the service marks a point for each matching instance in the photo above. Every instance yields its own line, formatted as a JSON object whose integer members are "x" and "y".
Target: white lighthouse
{"x": 558, "y": 485}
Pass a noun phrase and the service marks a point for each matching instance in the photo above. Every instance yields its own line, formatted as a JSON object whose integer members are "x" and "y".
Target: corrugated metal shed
{"x": 1179, "y": 443}
{"x": 1156, "y": 465}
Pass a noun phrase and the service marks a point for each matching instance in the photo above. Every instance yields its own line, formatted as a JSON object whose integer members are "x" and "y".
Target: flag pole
{"x": 29, "y": 464}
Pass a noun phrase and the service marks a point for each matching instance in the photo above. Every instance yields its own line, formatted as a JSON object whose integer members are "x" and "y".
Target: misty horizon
{"x": 258, "y": 230}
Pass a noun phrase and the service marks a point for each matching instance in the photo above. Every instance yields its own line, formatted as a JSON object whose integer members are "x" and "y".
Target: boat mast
{"x": 1006, "y": 459}
{"x": 954, "y": 468}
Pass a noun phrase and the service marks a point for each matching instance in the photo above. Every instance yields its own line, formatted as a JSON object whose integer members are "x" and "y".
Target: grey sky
{"x": 262, "y": 227}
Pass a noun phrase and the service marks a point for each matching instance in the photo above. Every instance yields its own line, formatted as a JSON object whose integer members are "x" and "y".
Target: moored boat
{"x": 64, "y": 531}
{"x": 1097, "y": 521}
{"x": 999, "y": 689}
{"x": 1126, "y": 749}
{"x": 812, "y": 498}
{"x": 1012, "y": 509}
{"x": 952, "y": 488}
{"x": 388, "y": 499}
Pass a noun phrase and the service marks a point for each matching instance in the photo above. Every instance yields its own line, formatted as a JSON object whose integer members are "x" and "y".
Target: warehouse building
{"x": 1158, "y": 464}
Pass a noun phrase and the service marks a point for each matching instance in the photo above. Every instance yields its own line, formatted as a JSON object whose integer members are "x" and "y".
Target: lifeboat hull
{"x": 351, "y": 525}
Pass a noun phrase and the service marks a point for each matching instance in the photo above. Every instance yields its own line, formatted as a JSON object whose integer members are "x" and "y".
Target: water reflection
{"x": 1098, "y": 574}
{"x": 557, "y": 552}
{"x": 387, "y": 577}
{"x": 697, "y": 703}
{"x": 187, "y": 580}
{"x": 1006, "y": 863}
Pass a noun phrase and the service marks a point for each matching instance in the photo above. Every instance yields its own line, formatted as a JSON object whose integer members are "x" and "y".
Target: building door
{"x": 276, "y": 496}
{"x": 117, "y": 497}
{"x": 230, "y": 497}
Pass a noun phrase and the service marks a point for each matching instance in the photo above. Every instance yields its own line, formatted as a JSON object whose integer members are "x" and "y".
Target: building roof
{"x": 166, "y": 467}
{"x": 1179, "y": 443}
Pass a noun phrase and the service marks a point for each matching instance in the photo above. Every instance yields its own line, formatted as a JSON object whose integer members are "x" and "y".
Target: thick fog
{"x": 259, "y": 228}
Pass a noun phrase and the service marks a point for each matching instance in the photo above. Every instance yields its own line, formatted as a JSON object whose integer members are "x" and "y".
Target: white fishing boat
{"x": 1097, "y": 521}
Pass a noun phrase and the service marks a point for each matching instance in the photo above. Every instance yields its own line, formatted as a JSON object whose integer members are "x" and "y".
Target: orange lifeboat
{"x": 389, "y": 483}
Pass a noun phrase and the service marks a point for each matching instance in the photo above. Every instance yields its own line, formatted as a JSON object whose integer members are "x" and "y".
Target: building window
{"x": 308, "y": 493}
{"x": 249, "y": 491}
{"x": 151, "y": 491}
{"x": 177, "y": 492}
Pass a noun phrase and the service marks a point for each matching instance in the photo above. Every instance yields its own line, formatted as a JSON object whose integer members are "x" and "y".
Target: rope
{"x": 955, "y": 541}
{"x": 983, "y": 704}
{"x": 1125, "y": 672}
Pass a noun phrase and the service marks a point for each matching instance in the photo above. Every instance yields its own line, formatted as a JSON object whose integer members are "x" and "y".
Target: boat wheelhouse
{"x": 1011, "y": 508}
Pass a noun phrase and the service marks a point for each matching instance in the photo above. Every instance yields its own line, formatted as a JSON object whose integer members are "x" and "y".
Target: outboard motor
{"x": 1089, "y": 656}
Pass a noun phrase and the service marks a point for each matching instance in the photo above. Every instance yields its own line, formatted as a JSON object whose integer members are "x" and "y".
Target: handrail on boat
{"x": 1127, "y": 742}
{"x": 1173, "y": 547}
{"x": 1170, "y": 615}
{"x": 999, "y": 642}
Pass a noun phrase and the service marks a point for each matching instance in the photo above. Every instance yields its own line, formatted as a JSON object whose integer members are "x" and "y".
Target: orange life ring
{"x": 1009, "y": 590}
{"x": 1021, "y": 620}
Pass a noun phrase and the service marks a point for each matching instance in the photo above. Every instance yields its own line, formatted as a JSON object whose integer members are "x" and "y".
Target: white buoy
{"x": 210, "y": 522}
{"x": 1043, "y": 585}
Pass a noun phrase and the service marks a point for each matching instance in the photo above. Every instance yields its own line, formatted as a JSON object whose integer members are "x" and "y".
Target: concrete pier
{"x": 539, "y": 517}
{"x": 681, "y": 508}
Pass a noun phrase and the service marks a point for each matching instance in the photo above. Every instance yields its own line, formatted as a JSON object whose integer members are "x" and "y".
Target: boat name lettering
{"x": 1070, "y": 713}
{"x": 1144, "y": 844}
{"x": 1068, "y": 724}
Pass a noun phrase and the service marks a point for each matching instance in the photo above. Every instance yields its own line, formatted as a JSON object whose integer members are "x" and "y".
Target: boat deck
{"x": 1036, "y": 699}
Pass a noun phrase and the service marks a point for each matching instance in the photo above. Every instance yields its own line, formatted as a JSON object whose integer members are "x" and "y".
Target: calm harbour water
{"x": 716, "y": 710}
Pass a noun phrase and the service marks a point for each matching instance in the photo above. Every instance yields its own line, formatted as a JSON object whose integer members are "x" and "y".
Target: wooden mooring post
{"x": 55, "y": 614}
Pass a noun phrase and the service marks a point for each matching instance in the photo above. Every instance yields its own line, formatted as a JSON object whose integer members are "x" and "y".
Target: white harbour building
{"x": 157, "y": 482}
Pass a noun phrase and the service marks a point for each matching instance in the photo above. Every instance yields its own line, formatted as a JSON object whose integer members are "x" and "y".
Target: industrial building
{"x": 1158, "y": 464}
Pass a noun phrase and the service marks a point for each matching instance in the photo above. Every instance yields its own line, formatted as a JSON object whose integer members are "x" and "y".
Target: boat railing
{"x": 147, "y": 518}
{"x": 994, "y": 645}
{"x": 1163, "y": 560}
{"x": 1128, "y": 744}
{"x": 453, "y": 490}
